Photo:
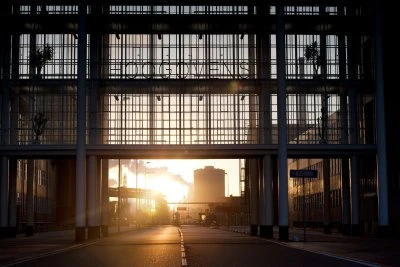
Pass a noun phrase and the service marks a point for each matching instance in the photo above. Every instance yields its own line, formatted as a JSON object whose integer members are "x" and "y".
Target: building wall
{"x": 66, "y": 192}
{"x": 312, "y": 189}
{"x": 306, "y": 196}
{"x": 209, "y": 185}
{"x": 44, "y": 194}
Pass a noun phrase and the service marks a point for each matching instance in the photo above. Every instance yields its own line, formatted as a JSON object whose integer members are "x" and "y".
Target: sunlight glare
{"x": 173, "y": 191}
{"x": 170, "y": 188}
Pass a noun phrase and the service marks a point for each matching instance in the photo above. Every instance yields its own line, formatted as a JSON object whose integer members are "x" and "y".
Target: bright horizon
{"x": 174, "y": 184}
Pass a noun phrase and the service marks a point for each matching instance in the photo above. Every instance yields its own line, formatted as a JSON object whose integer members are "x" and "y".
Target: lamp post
{"x": 145, "y": 174}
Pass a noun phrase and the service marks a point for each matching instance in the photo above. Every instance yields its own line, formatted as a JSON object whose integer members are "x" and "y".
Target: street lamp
{"x": 145, "y": 174}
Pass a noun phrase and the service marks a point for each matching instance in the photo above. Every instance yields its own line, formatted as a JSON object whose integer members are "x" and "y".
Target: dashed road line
{"x": 183, "y": 254}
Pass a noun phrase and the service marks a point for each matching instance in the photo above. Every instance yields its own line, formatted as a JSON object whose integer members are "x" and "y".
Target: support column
{"x": 267, "y": 208}
{"x": 355, "y": 194}
{"x": 354, "y": 179}
{"x": 324, "y": 131}
{"x": 266, "y": 188}
{"x": 12, "y": 207}
{"x": 12, "y": 220}
{"x": 5, "y": 124}
{"x": 4, "y": 198}
{"x": 80, "y": 212}
{"x": 383, "y": 207}
{"x": 263, "y": 72}
{"x": 93, "y": 199}
{"x": 104, "y": 197}
{"x": 344, "y": 136}
{"x": 345, "y": 175}
{"x": 29, "y": 228}
{"x": 326, "y": 174}
{"x": 353, "y": 47}
{"x": 94, "y": 192}
{"x": 253, "y": 135}
{"x": 282, "y": 129}
{"x": 254, "y": 190}
{"x": 346, "y": 229}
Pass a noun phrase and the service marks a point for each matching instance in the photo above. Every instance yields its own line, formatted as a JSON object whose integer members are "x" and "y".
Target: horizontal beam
{"x": 124, "y": 192}
{"x": 192, "y": 86}
{"x": 187, "y": 2}
{"x": 187, "y": 24}
{"x": 186, "y": 151}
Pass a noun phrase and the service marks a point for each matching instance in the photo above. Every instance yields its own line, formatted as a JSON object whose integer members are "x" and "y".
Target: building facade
{"x": 209, "y": 185}
{"x": 278, "y": 81}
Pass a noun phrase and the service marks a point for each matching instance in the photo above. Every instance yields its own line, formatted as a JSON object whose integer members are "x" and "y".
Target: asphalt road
{"x": 169, "y": 246}
{"x": 213, "y": 247}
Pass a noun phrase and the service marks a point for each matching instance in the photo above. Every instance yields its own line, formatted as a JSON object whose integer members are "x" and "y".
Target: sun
{"x": 173, "y": 191}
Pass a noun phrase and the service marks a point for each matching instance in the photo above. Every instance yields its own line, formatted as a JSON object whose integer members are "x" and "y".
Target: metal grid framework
{"x": 181, "y": 119}
{"x": 178, "y": 116}
{"x": 179, "y": 56}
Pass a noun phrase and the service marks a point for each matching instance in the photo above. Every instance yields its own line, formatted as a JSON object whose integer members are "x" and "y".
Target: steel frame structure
{"x": 191, "y": 79}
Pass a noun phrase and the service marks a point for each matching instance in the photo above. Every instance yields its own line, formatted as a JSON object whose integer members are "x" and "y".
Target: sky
{"x": 173, "y": 177}
{"x": 186, "y": 168}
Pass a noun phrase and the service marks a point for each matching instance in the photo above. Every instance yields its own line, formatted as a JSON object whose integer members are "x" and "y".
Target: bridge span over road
{"x": 126, "y": 192}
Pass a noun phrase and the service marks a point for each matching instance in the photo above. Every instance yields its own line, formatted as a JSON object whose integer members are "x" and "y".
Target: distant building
{"x": 209, "y": 185}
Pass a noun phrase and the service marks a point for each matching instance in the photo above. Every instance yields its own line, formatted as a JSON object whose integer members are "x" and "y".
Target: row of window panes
{"x": 316, "y": 200}
{"x": 174, "y": 10}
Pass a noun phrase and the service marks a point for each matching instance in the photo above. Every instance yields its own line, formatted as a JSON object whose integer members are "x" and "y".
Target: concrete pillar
{"x": 266, "y": 188}
{"x": 346, "y": 219}
{"x": 80, "y": 211}
{"x": 29, "y": 229}
{"x": 263, "y": 72}
{"x": 93, "y": 199}
{"x": 12, "y": 220}
{"x": 12, "y": 208}
{"x": 267, "y": 215}
{"x": 5, "y": 125}
{"x": 344, "y": 137}
{"x": 282, "y": 128}
{"x": 254, "y": 193}
{"x": 324, "y": 128}
{"x": 326, "y": 174}
{"x": 354, "y": 175}
{"x": 105, "y": 200}
{"x": 383, "y": 206}
{"x": 353, "y": 47}
{"x": 4, "y": 197}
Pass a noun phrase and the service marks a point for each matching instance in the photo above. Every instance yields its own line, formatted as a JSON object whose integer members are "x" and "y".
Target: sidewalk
{"x": 372, "y": 251}
{"x": 23, "y": 248}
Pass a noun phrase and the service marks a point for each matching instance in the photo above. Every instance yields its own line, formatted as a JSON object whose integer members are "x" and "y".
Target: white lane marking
{"x": 183, "y": 254}
{"x": 363, "y": 262}
{"x": 328, "y": 254}
{"x": 348, "y": 259}
{"x": 14, "y": 263}
{"x": 184, "y": 263}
